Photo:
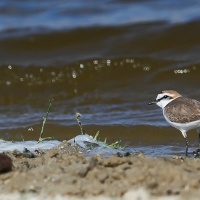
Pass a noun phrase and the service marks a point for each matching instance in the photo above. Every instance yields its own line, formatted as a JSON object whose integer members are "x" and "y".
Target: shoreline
{"x": 64, "y": 171}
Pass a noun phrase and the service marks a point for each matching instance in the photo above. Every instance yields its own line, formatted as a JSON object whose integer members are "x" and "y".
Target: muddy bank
{"x": 65, "y": 171}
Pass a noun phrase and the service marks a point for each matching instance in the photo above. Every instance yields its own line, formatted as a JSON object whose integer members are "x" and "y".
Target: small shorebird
{"x": 180, "y": 112}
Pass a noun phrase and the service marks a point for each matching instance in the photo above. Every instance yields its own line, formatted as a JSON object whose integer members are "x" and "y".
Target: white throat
{"x": 164, "y": 102}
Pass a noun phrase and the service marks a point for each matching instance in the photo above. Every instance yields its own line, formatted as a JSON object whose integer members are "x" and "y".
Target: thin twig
{"x": 44, "y": 121}
{"x": 78, "y": 116}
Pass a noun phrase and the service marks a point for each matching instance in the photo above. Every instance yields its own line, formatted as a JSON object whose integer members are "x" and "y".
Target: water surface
{"x": 105, "y": 59}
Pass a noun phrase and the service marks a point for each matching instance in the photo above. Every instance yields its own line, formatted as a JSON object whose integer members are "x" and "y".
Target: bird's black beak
{"x": 153, "y": 102}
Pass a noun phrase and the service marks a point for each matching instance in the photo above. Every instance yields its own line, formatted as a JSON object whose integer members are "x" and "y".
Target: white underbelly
{"x": 184, "y": 126}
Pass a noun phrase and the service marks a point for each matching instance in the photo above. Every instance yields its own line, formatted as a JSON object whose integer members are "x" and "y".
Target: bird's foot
{"x": 196, "y": 153}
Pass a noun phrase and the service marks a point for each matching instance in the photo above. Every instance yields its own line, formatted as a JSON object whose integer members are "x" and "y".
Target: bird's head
{"x": 165, "y": 97}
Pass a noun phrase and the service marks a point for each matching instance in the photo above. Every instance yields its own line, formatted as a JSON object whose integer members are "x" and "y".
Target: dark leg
{"x": 198, "y": 132}
{"x": 199, "y": 139}
{"x": 187, "y": 144}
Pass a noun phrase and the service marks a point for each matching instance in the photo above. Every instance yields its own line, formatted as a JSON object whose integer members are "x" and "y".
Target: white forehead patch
{"x": 160, "y": 96}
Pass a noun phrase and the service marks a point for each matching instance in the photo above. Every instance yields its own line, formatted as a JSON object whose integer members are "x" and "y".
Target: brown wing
{"x": 183, "y": 110}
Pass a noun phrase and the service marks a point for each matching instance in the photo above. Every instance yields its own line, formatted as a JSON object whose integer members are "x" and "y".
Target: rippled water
{"x": 105, "y": 59}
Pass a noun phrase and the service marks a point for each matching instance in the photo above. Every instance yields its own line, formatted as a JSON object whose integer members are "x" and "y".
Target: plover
{"x": 180, "y": 112}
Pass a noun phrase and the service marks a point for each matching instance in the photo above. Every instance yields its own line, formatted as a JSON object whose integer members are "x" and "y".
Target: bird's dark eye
{"x": 164, "y": 97}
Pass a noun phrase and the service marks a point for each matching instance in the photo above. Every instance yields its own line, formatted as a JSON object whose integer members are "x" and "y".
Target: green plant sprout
{"x": 96, "y": 136}
{"x": 116, "y": 144}
{"x": 22, "y": 137}
{"x": 44, "y": 121}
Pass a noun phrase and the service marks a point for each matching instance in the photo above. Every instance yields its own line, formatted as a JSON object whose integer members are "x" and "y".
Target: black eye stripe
{"x": 164, "y": 97}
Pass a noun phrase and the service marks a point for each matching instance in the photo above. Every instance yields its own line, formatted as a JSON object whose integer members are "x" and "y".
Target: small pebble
{"x": 5, "y": 163}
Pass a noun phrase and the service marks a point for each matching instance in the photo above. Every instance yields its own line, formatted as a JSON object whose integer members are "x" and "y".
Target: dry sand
{"x": 65, "y": 173}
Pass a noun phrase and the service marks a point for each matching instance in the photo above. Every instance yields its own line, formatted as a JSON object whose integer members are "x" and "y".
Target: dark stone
{"x": 5, "y": 163}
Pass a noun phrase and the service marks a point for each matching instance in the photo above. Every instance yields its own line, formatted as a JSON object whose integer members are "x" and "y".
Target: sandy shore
{"x": 65, "y": 172}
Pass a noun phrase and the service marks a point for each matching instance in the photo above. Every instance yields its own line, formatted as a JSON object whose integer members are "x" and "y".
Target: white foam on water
{"x": 30, "y": 145}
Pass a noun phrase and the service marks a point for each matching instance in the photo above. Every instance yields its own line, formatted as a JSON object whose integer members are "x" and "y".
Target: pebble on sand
{"x": 5, "y": 163}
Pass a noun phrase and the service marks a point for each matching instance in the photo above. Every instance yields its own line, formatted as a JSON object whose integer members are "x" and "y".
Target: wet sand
{"x": 65, "y": 171}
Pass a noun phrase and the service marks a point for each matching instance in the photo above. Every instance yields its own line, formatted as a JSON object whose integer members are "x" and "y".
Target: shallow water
{"x": 152, "y": 141}
{"x": 105, "y": 59}
{"x": 151, "y": 150}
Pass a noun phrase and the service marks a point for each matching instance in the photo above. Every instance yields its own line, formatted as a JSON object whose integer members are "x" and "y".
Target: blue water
{"x": 61, "y": 14}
